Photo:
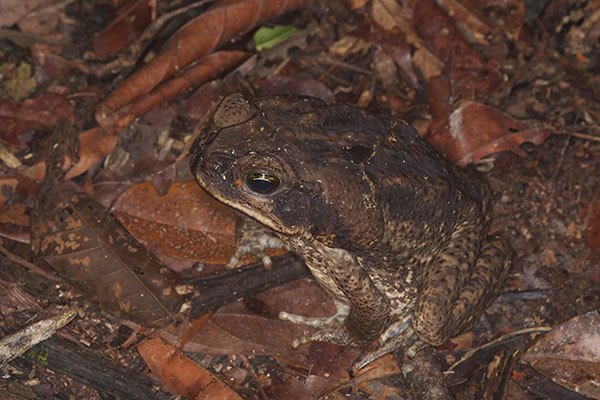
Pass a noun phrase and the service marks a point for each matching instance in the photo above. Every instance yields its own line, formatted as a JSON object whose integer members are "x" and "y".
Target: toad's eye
{"x": 262, "y": 182}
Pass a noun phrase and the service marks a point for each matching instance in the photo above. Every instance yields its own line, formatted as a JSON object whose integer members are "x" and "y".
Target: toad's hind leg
{"x": 454, "y": 293}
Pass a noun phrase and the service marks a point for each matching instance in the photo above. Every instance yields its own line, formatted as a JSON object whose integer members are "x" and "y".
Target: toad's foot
{"x": 398, "y": 335}
{"x": 331, "y": 329}
{"x": 253, "y": 238}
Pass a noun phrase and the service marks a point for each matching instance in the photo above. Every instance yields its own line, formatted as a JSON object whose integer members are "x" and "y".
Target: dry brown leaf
{"x": 182, "y": 375}
{"x": 464, "y": 76}
{"x": 570, "y": 354}
{"x": 401, "y": 54}
{"x": 237, "y": 329}
{"x": 428, "y": 64}
{"x": 470, "y": 21}
{"x": 386, "y": 13}
{"x": 88, "y": 247}
{"x": 389, "y": 15}
{"x": 439, "y": 31}
{"x": 231, "y": 333}
{"x": 186, "y": 222}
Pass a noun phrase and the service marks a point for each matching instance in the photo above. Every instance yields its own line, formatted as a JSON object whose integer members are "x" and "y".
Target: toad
{"x": 393, "y": 231}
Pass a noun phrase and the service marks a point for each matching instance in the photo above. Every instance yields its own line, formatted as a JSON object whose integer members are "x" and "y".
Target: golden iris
{"x": 262, "y": 182}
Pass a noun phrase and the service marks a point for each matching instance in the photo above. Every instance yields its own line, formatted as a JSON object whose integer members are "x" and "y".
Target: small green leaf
{"x": 265, "y": 37}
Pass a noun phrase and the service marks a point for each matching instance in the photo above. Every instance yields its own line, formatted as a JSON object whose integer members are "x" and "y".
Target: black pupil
{"x": 261, "y": 182}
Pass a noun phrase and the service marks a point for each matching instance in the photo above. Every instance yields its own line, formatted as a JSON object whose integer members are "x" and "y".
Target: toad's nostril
{"x": 216, "y": 165}
{"x": 219, "y": 164}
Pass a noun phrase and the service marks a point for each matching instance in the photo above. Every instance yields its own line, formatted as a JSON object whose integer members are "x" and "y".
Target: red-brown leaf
{"x": 465, "y": 76}
{"x": 231, "y": 333}
{"x": 439, "y": 31}
{"x": 208, "y": 68}
{"x": 186, "y": 222}
{"x": 476, "y": 130}
{"x": 235, "y": 329}
{"x": 182, "y": 375}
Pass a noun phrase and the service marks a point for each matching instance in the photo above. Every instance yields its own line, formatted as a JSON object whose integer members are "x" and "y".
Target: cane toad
{"x": 386, "y": 224}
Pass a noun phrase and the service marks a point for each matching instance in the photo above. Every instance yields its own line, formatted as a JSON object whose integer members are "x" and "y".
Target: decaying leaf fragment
{"x": 570, "y": 354}
{"x": 88, "y": 247}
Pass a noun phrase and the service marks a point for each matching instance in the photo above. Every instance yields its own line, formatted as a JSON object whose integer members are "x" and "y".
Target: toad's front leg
{"x": 253, "y": 238}
{"x": 342, "y": 276}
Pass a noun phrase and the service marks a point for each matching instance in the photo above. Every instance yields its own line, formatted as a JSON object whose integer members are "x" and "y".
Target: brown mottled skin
{"x": 385, "y": 223}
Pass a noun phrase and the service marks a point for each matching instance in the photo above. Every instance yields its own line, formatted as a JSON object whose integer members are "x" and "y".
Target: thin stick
{"x": 580, "y": 135}
{"x": 31, "y": 267}
{"x": 502, "y": 338}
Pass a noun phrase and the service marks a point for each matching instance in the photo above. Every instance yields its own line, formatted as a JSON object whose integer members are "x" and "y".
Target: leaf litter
{"x": 487, "y": 84}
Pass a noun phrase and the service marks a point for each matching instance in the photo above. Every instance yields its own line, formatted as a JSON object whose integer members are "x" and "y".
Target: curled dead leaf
{"x": 476, "y": 130}
{"x": 94, "y": 145}
{"x": 209, "y": 67}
